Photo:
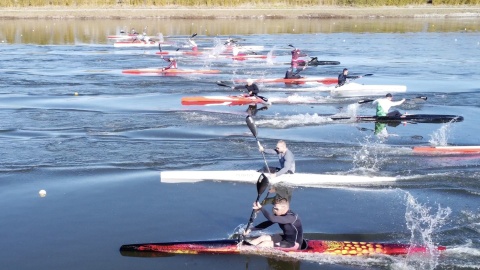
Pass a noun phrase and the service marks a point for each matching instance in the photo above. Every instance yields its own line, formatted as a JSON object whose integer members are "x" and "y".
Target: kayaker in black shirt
{"x": 342, "y": 77}
{"x": 290, "y": 223}
{"x": 251, "y": 87}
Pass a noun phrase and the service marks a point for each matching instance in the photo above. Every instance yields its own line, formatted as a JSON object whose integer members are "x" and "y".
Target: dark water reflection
{"x": 45, "y": 32}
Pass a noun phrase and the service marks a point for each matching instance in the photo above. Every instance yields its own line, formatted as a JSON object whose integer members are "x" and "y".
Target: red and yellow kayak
{"x": 224, "y": 100}
{"x": 171, "y": 71}
{"x": 341, "y": 248}
{"x": 447, "y": 149}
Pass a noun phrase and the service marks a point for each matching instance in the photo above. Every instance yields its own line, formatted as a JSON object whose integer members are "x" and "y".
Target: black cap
{"x": 345, "y": 69}
{"x": 388, "y": 95}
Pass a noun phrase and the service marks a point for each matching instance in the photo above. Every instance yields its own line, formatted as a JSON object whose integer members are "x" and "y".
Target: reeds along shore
{"x": 229, "y": 3}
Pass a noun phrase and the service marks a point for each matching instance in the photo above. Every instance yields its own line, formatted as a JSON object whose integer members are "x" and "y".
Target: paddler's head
{"x": 389, "y": 96}
{"x": 345, "y": 71}
{"x": 249, "y": 81}
{"x": 281, "y": 205}
{"x": 281, "y": 146}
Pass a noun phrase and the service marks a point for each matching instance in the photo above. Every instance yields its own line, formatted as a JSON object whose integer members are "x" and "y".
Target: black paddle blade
{"x": 365, "y": 101}
{"x": 262, "y": 184}
{"x": 366, "y": 75}
{"x": 251, "y": 126}
{"x": 194, "y": 35}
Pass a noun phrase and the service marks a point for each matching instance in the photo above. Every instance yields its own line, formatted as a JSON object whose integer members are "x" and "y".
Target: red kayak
{"x": 171, "y": 71}
{"x": 242, "y": 57}
{"x": 224, "y": 100}
{"x": 323, "y": 80}
{"x": 447, "y": 149}
{"x": 345, "y": 248}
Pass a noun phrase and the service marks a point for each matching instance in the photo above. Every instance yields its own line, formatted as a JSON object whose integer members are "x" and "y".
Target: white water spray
{"x": 422, "y": 222}
{"x": 369, "y": 157}
{"x": 440, "y": 137}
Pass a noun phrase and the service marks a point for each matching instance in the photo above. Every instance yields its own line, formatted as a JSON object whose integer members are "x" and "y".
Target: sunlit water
{"x": 96, "y": 139}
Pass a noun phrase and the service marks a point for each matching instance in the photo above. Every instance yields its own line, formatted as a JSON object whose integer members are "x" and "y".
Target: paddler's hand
{"x": 260, "y": 148}
{"x": 247, "y": 232}
{"x": 256, "y": 206}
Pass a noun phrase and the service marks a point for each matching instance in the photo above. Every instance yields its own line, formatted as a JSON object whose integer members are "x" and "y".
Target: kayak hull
{"x": 251, "y": 176}
{"x": 417, "y": 118}
{"x": 227, "y": 246}
{"x": 473, "y": 149}
{"x": 137, "y": 43}
{"x": 322, "y": 80}
{"x": 171, "y": 72}
{"x": 359, "y": 90}
{"x": 223, "y": 100}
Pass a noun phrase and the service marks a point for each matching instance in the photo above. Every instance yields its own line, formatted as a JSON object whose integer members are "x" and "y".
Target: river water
{"x": 96, "y": 140}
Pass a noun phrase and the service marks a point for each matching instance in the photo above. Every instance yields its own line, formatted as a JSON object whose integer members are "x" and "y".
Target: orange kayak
{"x": 447, "y": 149}
{"x": 224, "y": 100}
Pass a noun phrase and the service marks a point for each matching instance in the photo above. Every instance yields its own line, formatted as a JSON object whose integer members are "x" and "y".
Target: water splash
{"x": 422, "y": 224}
{"x": 369, "y": 158}
{"x": 270, "y": 56}
{"x": 440, "y": 137}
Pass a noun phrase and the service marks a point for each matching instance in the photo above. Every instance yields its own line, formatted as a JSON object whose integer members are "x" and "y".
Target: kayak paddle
{"x": 262, "y": 184}
{"x": 371, "y": 100}
{"x": 219, "y": 83}
{"x": 253, "y": 129}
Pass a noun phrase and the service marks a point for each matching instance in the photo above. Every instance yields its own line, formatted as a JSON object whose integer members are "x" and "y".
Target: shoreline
{"x": 241, "y": 12}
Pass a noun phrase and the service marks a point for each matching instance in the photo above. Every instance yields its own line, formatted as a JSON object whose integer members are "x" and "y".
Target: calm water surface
{"x": 98, "y": 154}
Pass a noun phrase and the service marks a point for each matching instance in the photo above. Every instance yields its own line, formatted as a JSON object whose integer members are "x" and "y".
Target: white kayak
{"x": 251, "y": 176}
{"x": 361, "y": 90}
{"x": 139, "y": 43}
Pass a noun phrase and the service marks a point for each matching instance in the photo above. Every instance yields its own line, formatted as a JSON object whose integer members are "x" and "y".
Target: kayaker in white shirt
{"x": 384, "y": 105}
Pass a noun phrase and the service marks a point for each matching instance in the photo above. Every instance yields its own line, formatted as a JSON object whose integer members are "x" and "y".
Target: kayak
{"x": 324, "y": 80}
{"x": 171, "y": 71}
{"x": 241, "y": 57}
{"x": 468, "y": 149}
{"x": 123, "y": 36}
{"x": 358, "y": 90}
{"x": 224, "y": 100}
{"x": 228, "y": 246}
{"x": 138, "y": 43}
{"x": 417, "y": 118}
{"x": 251, "y": 176}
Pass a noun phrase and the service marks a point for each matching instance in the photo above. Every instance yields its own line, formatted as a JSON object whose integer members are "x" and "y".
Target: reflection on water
{"x": 46, "y": 32}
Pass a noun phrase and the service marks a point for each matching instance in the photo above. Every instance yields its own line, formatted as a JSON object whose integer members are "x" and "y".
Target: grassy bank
{"x": 229, "y": 3}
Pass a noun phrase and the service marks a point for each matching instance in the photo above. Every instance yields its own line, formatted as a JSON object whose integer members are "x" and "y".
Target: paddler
{"x": 296, "y": 53}
{"x": 342, "y": 77}
{"x": 291, "y": 237}
{"x": 251, "y": 87}
{"x": 285, "y": 157}
{"x": 384, "y": 105}
{"x": 291, "y": 75}
{"x": 172, "y": 65}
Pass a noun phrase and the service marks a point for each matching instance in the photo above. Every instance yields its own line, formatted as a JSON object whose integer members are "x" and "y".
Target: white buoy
{"x": 42, "y": 193}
